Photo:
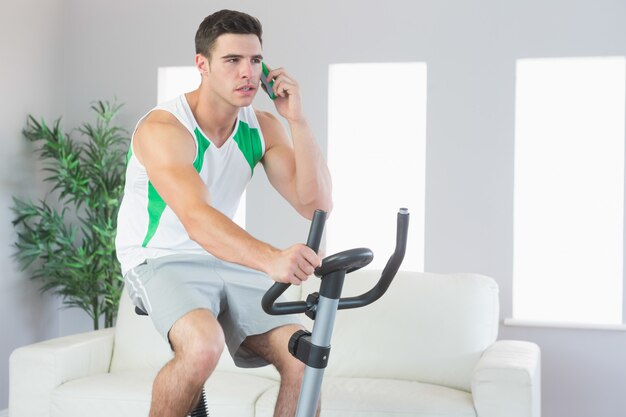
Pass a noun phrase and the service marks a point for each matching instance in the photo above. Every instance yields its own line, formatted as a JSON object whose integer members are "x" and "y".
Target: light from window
{"x": 569, "y": 190}
{"x": 174, "y": 81}
{"x": 376, "y": 154}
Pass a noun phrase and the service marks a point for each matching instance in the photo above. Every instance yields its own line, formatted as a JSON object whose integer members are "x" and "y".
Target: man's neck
{"x": 216, "y": 119}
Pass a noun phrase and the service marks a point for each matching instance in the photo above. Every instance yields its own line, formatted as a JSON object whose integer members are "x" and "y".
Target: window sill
{"x": 564, "y": 325}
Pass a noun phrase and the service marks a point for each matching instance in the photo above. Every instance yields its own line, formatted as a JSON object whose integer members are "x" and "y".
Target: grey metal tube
{"x": 320, "y": 336}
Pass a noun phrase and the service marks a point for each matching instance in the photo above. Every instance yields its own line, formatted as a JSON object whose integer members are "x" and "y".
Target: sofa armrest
{"x": 36, "y": 370}
{"x": 507, "y": 380}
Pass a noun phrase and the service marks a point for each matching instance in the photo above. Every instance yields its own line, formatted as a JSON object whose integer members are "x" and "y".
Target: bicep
{"x": 167, "y": 155}
{"x": 280, "y": 167}
{"x": 279, "y": 159}
{"x": 180, "y": 187}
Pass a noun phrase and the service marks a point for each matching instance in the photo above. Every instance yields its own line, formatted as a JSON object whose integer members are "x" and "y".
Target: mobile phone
{"x": 269, "y": 85}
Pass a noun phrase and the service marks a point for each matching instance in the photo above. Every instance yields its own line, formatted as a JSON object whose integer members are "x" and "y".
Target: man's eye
{"x": 256, "y": 60}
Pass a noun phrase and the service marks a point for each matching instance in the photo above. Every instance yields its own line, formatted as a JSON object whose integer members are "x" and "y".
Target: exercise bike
{"x": 313, "y": 348}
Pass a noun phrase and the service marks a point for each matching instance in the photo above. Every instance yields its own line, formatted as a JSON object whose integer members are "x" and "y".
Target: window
{"x": 173, "y": 81}
{"x": 376, "y": 154}
{"x": 569, "y": 190}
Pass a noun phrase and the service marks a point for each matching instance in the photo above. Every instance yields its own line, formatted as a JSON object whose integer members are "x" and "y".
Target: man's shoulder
{"x": 268, "y": 123}
{"x": 161, "y": 137}
{"x": 161, "y": 123}
{"x": 265, "y": 117}
{"x": 274, "y": 133}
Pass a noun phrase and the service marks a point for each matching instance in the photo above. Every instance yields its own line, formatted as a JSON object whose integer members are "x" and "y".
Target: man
{"x": 198, "y": 275}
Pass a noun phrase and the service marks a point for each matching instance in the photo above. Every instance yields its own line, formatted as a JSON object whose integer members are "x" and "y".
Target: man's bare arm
{"x": 296, "y": 169}
{"x": 166, "y": 149}
{"x": 295, "y": 166}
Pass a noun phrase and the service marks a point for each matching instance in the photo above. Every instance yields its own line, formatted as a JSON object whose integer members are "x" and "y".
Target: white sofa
{"x": 427, "y": 348}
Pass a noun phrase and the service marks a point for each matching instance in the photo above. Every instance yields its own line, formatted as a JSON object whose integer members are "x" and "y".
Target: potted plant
{"x": 69, "y": 244}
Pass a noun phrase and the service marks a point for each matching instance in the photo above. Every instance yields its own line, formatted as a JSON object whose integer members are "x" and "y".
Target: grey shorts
{"x": 169, "y": 287}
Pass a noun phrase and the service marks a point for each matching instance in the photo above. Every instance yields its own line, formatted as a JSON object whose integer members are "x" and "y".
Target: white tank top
{"x": 146, "y": 227}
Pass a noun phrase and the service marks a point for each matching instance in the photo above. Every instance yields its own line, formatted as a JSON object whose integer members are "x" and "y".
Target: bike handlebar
{"x": 315, "y": 233}
{"x": 390, "y": 270}
{"x": 276, "y": 290}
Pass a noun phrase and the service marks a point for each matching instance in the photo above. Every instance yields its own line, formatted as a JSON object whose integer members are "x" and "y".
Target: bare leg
{"x": 272, "y": 346}
{"x": 195, "y": 402}
{"x": 198, "y": 341}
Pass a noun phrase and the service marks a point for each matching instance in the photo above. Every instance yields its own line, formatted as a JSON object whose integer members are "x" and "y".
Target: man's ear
{"x": 202, "y": 64}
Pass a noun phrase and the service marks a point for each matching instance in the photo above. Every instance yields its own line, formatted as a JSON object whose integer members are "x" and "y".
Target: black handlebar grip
{"x": 313, "y": 241}
{"x": 316, "y": 230}
{"x": 390, "y": 270}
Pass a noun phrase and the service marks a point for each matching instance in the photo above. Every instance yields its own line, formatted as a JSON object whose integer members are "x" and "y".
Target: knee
{"x": 201, "y": 358}
{"x": 200, "y": 351}
{"x": 291, "y": 370}
{"x": 206, "y": 352}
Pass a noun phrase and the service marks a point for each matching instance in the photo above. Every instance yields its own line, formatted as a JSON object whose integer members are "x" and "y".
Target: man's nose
{"x": 246, "y": 70}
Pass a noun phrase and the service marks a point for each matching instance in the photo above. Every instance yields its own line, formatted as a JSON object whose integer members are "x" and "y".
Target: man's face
{"x": 234, "y": 69}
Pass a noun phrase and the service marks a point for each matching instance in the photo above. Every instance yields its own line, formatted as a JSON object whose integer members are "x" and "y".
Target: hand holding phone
{"x": 268, "y": 85}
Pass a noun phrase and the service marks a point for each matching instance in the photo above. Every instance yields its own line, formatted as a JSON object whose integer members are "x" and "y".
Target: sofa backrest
{"x": 137, "y": 343}
{"x": 430, "y": 328}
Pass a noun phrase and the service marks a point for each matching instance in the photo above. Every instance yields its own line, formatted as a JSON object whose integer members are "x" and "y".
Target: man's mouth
{"x": 246, "y": 88}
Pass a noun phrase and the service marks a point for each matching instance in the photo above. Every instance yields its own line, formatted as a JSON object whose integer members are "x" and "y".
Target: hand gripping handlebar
{"x": 276, "y": 290}
{"x": 349, "y": 261}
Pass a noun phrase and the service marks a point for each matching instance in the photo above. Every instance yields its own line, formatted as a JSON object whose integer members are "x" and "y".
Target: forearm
{"x": 312, "y": 178}
{"x": 223, "y": 238}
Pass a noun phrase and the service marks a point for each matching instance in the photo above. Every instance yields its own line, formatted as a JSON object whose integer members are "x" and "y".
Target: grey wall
{"x": 31, "y": 81}
{"x": 114, "y": 48}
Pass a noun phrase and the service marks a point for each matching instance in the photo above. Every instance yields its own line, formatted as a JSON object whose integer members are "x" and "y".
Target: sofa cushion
{"x": 361, "y": 397}
{"x": 128, "y": 393}
{"x": 428, "y": 327}
{"x": 113, "y": 394}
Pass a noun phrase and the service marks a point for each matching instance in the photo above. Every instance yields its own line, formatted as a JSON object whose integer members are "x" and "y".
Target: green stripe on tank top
{"x": 156, "y": 205}
{"x": 249, "y": 142}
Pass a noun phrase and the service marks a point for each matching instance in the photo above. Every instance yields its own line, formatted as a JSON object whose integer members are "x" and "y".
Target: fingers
{"x": 312, "y": 258}
{"x": 296, "y": 278}
{"x": 299, "y": 263}
{"x": 284, "y": 85}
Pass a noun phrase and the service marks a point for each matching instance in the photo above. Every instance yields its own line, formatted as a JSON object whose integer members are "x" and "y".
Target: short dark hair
{"x": 225, "y": 21}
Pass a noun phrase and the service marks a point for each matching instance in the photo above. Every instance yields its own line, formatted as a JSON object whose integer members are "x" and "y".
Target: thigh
{"x": 168, "y": 288}
{"x": 244, "y": 317}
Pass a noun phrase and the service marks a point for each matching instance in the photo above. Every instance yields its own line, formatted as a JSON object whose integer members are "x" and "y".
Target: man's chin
{"x": 243, "y": 101}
